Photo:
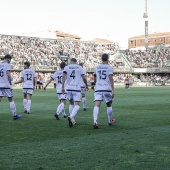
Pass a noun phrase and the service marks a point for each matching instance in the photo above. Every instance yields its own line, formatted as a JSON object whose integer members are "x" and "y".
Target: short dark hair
{"x": 105, "y": 57}
{"x": 8, "y": 56}
{"x": 27, "y": 63}
{"x": 81, "y": 64}
{"x": 73, "y": 60}
{"x": 62, "y": 64}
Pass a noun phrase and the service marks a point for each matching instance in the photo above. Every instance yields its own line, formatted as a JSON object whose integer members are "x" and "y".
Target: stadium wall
{"x": 154, "y": 39}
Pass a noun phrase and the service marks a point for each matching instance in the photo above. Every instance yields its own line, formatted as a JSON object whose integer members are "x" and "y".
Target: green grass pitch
{"x": 139, "y": 140}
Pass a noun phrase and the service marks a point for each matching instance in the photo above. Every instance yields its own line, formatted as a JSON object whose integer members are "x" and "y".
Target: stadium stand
{"x": 46, "y": 54}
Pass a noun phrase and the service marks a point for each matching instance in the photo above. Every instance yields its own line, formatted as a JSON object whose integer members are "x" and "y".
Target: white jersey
{"x": 102, "y": 73}
{"x": 57, "y": 76}
{"x": 28, "y": 75}
{"x": 74, "y": 74}
{"x": 82, "y": 84}
{"x": 4, "y": 82}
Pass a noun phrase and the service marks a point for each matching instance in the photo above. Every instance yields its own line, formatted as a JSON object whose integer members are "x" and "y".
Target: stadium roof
{"x": 152, "y": 35}
{"x": 62, "y": 34}
{"x": 41, "y": 34}
{"x": 101, "y": 40}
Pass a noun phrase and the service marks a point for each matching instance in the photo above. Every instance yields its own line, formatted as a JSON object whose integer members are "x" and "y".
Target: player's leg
{"x": 1, "y": 94}
{"x": 71, "y": 102}
{"x": 29, "y": 95}
{"x": 83, "y": 94}
{"x": 25, "y": 101}
{"x": 9, "y": 94}
{"x": 108, "y": 100}
{"x": 36, "y": 86}
{"x": 76, "y": 99}
{"x": 12, "y": 105}
{"x": 63, "y": 111}
{"x": 60, "y": 108}
{"x": 84, "y": 103}
{"x": 63, "y": 100}
{"x": 97, "y": 98}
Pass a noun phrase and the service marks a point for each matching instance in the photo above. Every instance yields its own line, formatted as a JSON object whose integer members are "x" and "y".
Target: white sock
{"x": 25, "y": 104}
{"x": 13, "y": 108}
{"x": 60, "y": 108}
{"x": 28, "y": 105}
{"x": 109, "y": 113}
{"x": 84, "y": 102}
{"x": 95, "y": 113}
{"x": 74, "y": 111}
{"x": 63, "y": 112}
{"x": 71, "y": 108}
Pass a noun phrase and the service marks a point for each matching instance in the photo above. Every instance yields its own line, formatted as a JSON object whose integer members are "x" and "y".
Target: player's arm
{"x": 63, "y": 81}
{"x": 19, "y": 81}
{"x": 112, "y": 84}
{"x": 34, "y": 81}
{"x": 94, "y": 78}
{"x": 9, "y": 77}
{"x": 85, "y": 80}
{"x": 49, "y": 81}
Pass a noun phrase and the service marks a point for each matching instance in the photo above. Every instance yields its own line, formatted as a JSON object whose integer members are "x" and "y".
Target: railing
{"x": 44, "y": 68}
{"x": 123, "y": 56}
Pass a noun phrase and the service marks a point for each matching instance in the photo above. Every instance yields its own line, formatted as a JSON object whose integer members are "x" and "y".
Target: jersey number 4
{"x": 73, "y": 74}
{"x": 102, "y": 74}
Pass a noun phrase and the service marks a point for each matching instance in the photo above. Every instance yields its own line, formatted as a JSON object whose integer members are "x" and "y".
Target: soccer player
{"x": 28, "y": 79}
{"x": 103, "y": 78}
{"x": 127, "y": 82}
{"x": 83, "y": 90}
{"x": 38, "y": 83}
{"x": 5, "y": 84}
{"x": 57, "y": 76}
{"x": 72, "y": 75}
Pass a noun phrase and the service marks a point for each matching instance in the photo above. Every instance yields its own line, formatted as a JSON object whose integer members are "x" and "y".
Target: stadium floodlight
{"x": 145, "y": 15}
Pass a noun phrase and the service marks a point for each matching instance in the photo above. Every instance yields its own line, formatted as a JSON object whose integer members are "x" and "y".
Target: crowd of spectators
{"x": 154, "y": 78}
{"x": 47, "y": 52}
{"x": 151, "y": 58}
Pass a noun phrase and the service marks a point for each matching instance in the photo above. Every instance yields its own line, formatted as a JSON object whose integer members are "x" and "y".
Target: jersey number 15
{"x": 102, "y": 74}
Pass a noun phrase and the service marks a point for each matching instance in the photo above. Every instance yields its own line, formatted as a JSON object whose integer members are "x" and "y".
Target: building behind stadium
{"x": 156, "y": 39}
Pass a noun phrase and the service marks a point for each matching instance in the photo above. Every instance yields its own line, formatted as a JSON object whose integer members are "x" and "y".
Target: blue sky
{"x": 116, "y": 20}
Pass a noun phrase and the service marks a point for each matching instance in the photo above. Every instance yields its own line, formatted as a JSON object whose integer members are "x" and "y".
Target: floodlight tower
{"x": 145, "y": 16}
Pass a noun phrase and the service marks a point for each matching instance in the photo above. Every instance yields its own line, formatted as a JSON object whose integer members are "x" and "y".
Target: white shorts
{"x": 6, "y": 93}
{"x": 62, "y": 96}
{"x": 83, "y": 91}
{"x": 28, "y": 91}
{"x": 74, "y": 95}
{"x": 99, "y": 96}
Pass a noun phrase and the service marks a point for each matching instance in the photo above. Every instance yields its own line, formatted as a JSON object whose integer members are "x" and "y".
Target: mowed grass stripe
{"x": 139, "y": 139}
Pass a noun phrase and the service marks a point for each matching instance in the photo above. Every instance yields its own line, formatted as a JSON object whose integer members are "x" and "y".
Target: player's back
{"x": 4, "y": 67}
{"x": 74, "y": 73}
{"x": 28, "y": 75}
{"x": 102, "y": 73}
{"x": 57, "y": 76}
